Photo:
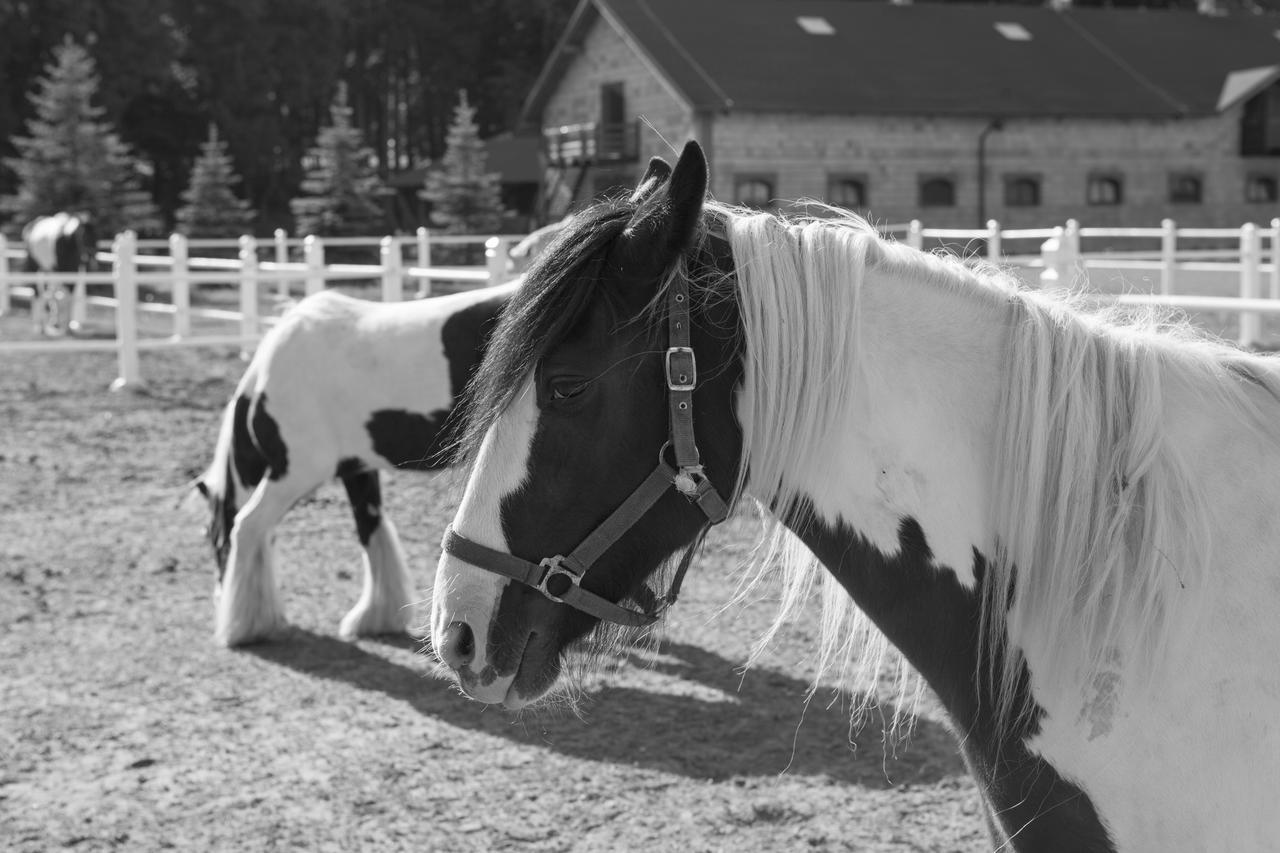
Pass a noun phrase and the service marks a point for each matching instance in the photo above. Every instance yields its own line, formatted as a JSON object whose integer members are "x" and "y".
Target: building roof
{"x": 837, "y": 56}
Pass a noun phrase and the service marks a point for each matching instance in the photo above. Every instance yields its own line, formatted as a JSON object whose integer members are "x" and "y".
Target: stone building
{"x": 953, "y": 114}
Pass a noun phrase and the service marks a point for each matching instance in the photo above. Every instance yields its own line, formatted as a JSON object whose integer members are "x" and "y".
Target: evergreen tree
{"x": 210, "y": 208}
{"x": 465, "y": 198}
{"x": 341, "y": 188}
{"x": 72, "y": 160}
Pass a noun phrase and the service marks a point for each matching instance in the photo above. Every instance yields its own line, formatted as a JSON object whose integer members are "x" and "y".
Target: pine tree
{"x": 465, "y": 198}
{"x": 341, "y": 189}
{"x": 210, "y": 207}
{"x": 72, "y": 160}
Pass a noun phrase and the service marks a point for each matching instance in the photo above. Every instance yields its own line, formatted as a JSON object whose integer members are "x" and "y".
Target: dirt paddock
{"x": 123, "y": 727}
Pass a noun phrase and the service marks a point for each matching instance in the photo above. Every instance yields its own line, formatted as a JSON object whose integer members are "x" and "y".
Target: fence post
{"x": 181, "y": 286}
{"x": 313, "y": 250}
{"x": 1051, "y": 254}
{"x": 1250, "y": 283}
{"x": 4, "y": 275}
{"x": 1275, "y": 259}
{"x": 125, "y": 275}
{"x": 392, "y": 270}
{"x": 915, "y": 234}
{"x": 424, "y": 260}
{"x": 282, "y": 257}
{"x": 496, "y": 260}
{"x": 248, "y": 295}
{"x": 994, "y": 249}
{"x": 1168, "y": 255}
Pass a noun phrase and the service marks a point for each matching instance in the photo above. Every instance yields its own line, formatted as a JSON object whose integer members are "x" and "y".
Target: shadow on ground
{"x": 752, "y": 726}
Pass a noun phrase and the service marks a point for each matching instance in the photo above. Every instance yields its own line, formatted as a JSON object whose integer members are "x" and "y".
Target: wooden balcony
{"x": 591, "y": 142}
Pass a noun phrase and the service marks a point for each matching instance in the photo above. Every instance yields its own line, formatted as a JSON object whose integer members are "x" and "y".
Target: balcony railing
{"x": 591, "y": 142}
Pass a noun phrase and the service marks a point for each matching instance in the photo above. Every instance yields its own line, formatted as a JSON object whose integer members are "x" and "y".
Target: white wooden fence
{"x": 1241, "y": 275}
{"x": 178, "y": 272}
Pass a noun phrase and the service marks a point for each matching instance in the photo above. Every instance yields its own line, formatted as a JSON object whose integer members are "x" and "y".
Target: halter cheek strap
{"x": 559, "y": 578}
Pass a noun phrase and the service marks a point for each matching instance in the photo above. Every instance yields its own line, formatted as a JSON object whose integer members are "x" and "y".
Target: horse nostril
{"x": 457, "y": 646}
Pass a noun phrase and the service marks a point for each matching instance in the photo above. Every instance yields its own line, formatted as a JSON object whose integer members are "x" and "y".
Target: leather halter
{"x": 559, "y": 578}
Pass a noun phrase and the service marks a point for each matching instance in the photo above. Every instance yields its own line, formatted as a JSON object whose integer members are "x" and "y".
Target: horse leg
{"x": 38, "y": 288}
{"x": 248, "y": 604}
{"x": 385, "y": 605}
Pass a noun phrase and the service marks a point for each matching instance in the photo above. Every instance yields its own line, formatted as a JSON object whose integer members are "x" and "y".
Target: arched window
{"x": 1261, "y": 189}
{"x": 1185, "y": 188}
{"x": 753, "y": 191}
{"x": 937, "y": 192}
{"x": 1022, "y": 191}
{"x": 849, "y": 193}
{"x": 1105, "y": 190}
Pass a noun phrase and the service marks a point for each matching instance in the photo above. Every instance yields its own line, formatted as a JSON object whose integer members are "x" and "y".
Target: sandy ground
{"x": 123, "y": 727}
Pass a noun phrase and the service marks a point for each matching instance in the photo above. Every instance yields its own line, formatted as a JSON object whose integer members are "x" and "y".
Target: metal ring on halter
{"x": 555, "y": 567}
{"x": 662, "y": 455}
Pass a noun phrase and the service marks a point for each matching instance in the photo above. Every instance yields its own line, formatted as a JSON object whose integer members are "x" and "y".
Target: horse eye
{"x": 563, "y": 389}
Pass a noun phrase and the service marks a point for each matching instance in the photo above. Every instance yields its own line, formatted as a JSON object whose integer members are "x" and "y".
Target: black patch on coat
{"x": 410, "y": 440}
{"x": 266, "y": 435}
{"x": 365, "y": 493}
{"x": 349, "y": 467}
{"x": 249, "y": 462}
{"x": 421, "y": 442}
{"x": 464, "y": 336}
{"x": 934, "y": 621}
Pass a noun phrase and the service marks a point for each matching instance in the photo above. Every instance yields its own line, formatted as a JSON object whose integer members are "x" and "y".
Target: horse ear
{"x": 654, "y": 176}
{"x": 667, "y": 220}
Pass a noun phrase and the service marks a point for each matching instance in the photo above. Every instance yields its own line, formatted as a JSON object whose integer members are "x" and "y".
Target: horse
{"x": 344, "y": 388}
{"x": 61, "y": 243}
{"x": 1062, "y": 519}
{"x": 524, "y": 253}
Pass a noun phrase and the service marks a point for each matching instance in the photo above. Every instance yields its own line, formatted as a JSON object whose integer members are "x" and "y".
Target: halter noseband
{"x": 559, "y": 578}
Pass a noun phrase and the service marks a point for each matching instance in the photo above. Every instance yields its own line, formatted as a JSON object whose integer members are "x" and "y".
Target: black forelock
{"x": 545, "y": 308}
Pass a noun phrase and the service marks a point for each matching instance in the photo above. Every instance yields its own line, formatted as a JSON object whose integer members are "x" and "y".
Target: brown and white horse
{"x": 1065, "y": 522}
{"x": 61, "y": 243}
{"x": 342, "y": 388}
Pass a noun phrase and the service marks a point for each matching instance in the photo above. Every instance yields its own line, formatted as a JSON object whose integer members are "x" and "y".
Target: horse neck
{"x": 911, "y": 438}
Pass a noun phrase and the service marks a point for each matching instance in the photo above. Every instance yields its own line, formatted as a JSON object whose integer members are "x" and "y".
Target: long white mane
{"x": 1102, "y": 539}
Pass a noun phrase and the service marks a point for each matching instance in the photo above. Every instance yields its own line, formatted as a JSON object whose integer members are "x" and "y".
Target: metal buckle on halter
{"x": 688, "y": 380}
{"x": 555, "y": 566}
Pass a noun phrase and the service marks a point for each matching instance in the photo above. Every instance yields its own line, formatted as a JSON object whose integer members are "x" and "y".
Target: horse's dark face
{"x": 583, "y": 430}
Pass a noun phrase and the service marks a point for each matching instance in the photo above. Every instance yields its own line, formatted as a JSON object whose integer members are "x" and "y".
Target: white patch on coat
{"x": 464, "y": 593}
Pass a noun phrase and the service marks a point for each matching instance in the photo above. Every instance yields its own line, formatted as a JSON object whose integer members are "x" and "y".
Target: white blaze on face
{"x": 464, "y": 593}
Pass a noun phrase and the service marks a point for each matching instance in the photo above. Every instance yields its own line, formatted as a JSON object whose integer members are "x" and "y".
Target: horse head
{"x": 603, "y": 433}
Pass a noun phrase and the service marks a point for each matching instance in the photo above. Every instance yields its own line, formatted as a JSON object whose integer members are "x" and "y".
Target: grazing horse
{"x": 62, "y": 243}
{"x": 527, "y": 250}
{"x": 1064, "y": 521}
{"x": 343, "y": 388}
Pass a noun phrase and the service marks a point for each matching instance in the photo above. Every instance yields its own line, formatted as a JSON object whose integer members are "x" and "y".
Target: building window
{"x": 847, "y": 192}
{"x": 1260, "y": 124}
{"x": 1105, "y": 190}
{"x": 937, "y": 192}
{"x": 1185, "y": 188}
{"x": 753, "y": 191}
{"x": 1261, "y": 189}
{"x": 1022, "y": 191}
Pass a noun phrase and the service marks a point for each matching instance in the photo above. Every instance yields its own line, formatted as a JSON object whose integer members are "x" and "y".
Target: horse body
{"x": 1065, "y": 525}
{"x": 341, "y": 387}
{"x": 61, "y": 243}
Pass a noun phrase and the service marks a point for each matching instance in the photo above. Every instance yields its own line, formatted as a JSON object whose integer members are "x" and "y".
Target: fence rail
{"x": 178, "y": 272}
{"x": 1246, "y": 265}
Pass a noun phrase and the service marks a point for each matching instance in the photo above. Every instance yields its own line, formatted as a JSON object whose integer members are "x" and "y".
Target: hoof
{"x": 364, "y": 622}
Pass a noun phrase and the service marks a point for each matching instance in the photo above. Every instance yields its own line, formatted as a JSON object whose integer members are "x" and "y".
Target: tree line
{"x": 266, "y": 74}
